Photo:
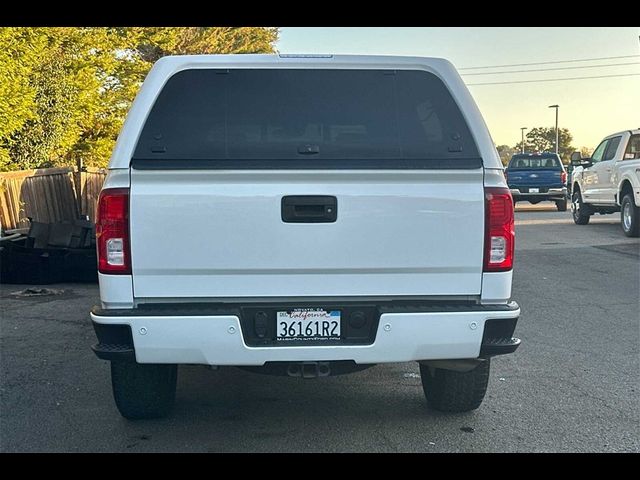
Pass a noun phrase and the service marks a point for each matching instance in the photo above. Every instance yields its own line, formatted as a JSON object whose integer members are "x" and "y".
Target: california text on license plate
{"x": 308, "y": 324}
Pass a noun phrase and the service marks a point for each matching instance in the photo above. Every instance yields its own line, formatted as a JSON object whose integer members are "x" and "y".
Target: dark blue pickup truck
{"x": 536, "y": 177}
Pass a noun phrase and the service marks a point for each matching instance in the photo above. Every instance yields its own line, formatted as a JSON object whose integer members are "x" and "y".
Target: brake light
{"x": 112, "y": 231}
{"x": 499, "y": 241}
{"x": 563, "y": 177}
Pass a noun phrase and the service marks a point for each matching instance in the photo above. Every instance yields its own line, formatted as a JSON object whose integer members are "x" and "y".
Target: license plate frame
{"x": 314, "y": 324}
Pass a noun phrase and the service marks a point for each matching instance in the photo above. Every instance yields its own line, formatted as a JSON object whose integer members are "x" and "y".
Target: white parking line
{"x": 543, "y": 221}
{"x": 559, "y": 221}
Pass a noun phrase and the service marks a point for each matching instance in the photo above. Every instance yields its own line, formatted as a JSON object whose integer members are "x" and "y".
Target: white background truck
{"x": 304, "y": 216}
{"x": 609, "y": 181}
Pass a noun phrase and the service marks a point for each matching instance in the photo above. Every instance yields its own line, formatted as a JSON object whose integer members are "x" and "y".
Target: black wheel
{"x": 581, "y": 213}
{"x": 451, "y": 391}
{"x": 630, "y": 216}
{"x": 561, "y": 205}
{"x": 143, "y": 390}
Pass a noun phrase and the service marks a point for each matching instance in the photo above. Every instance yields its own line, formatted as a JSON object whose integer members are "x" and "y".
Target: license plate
{"x": 308, "y": 324}
{"x": 534, "y": 190}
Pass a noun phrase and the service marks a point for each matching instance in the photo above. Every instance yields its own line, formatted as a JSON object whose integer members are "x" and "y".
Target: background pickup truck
{"x": 609, "y": 181}
{"x": 536, "y": 178}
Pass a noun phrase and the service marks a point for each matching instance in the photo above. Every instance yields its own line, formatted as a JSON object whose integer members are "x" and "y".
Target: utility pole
{"x": 522, "y": 129}
{"x": 556, "y": 107}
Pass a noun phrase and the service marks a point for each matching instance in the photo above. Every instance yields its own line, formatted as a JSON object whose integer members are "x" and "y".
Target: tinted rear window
{"x": 535, "y": 162}
{"x": 302, "y": 116}
{"x": 633, "y": 148}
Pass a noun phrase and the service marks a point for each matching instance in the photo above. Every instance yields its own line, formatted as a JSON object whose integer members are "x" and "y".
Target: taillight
{"x": 563, "y": 177}
{"x": 112, "y": 231}
{"x": 499, "y": 240}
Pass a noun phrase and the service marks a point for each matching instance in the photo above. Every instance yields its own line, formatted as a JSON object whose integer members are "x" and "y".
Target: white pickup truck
{"x": 609, "y": 181}
{"x": 304, "y": 216}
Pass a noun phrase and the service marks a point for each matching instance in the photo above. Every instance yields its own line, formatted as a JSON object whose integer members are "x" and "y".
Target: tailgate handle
{"x": 309, "y": 209}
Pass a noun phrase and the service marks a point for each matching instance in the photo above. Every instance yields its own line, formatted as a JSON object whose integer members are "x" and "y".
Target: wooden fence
{"x": 48, "y": 195}
{"x": 90, "y": 185}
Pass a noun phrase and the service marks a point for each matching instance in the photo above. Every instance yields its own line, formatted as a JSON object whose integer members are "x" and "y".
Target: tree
{"x": 51, "y": 131}
{"x": 586, "y": 152}
{"x": 506, "y": 152}
{"x": 155, "y": 42}
{"x": 542, "y": 139}
{"x": 65, "y": 91}
{"x": 18, "y": 56}
{"x": 65, "y": 71}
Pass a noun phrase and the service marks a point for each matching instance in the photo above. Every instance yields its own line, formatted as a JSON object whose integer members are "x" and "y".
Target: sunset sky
{"x": 589, "y": 108}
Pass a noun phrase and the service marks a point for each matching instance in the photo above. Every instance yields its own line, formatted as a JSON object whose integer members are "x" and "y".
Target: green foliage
{"x": 51, "y": 130}
{"x": 64, "y": 91}
{"x": 542, "y": 139}
{"x": 586, "y": 152}
{"x": 18, "y": 55}
{"x": 506, "y": 152}
{"x": 156, "y": 42}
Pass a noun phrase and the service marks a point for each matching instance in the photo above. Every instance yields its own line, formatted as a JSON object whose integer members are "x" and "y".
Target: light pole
{"x": 556, "y": 107}
{"x": 522, "y": 129}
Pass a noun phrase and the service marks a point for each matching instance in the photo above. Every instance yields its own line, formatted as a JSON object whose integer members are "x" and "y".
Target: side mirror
{"x": 576, "y": 157}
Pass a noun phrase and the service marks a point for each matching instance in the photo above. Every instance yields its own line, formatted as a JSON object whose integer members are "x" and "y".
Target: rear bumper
{"x": 550, "y": 194}
{"x": 441, "y": 333}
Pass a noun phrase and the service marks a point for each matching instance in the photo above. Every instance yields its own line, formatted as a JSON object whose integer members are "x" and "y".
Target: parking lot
{"x": 572, "y": 386}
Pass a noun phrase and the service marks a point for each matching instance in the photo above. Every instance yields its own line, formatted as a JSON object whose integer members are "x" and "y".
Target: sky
{"x": 590, "y": 108}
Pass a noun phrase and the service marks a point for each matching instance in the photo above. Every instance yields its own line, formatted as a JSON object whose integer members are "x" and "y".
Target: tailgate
{"x": 535, "y": 177}
{"x": 220, "y": 234}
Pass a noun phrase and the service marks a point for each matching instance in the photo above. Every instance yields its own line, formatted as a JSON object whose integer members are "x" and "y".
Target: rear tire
{"x": 143, "y": 391}
{"x": 630, "y": 216}
{"x": 561, "y": 205}
{"x": 451, "y": 391}
{"x": 580, "y": 212}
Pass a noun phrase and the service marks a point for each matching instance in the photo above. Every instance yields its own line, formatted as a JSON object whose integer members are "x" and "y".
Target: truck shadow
{"x": 233, "y": 410}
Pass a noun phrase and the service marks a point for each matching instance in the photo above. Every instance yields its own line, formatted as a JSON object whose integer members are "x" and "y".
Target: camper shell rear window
{"x": 305, "y": 118}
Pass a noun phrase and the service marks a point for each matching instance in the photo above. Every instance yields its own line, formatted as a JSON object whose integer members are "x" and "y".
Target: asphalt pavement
{"x": 573, "y": 386}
